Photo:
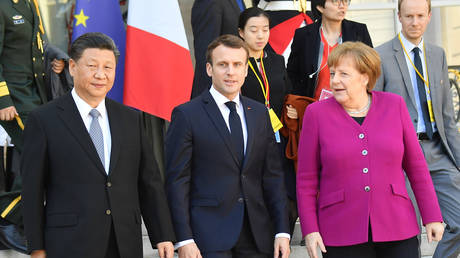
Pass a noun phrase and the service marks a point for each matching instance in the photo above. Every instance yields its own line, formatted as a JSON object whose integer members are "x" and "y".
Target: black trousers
{"x": 6, "y": 175}
{"x": 395, "y": 249}
{"x": 112, "y": 247}
{"x": 245, "y": 247}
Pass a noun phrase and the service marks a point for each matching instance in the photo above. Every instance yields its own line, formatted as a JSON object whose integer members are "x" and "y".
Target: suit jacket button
{"x": 109, "y": 184}
{"x": 364, "y": 152}
{"x": 33, "y": 59}
{"x": 108, "y": 212}
{"x": 367, "y": 188}
{"x": 240, "y": 199}
{"x": 365, "y": 170}
{"x": 361, "y": 136}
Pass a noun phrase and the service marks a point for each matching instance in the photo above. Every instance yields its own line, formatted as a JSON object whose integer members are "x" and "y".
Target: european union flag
{"x": 103, "y": 16}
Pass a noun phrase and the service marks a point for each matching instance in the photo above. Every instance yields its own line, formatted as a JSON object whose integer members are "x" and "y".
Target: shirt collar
{"x": 84, "y": 108}
{"x": 409, "y": 45}
{"x": 221, "y": 99}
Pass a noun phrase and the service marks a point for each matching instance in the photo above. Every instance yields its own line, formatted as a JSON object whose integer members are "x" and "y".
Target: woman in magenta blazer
{"x": 353, "y": 151}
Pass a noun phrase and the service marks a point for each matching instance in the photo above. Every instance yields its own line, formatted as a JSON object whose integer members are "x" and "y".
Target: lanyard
{"x": 427, "y": 81}
{"x": 266, "y": 89}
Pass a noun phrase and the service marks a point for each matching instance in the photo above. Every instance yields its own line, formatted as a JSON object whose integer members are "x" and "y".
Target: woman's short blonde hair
{"x": 366, "y": 59}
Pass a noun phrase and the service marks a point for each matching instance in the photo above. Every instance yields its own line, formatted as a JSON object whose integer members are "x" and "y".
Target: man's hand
{"x": 8, "y": 113}
{"x": 312, "y": 241}
{"x": 58, "y": 65}
{"x": 291, "y": 112}
{"x": 38, "y": 254}
{"x": 189, "y": 251}
{"x": 434, "y": 231}
{"x": 165, "y": 249}
{"x": 282, "y": 246}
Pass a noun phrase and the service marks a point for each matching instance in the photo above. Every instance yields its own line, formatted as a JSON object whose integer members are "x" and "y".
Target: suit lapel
{"x": 348, "y": 33}
{"x": 432, "y": 79}
{"x": 116, "y": 134}
{"x": 250, "y": 125}
{"x": 401, "y": 59}
{"x": 216, "y": 117}
{"x": 235, "y": 6}
{"x": 70, "y": 116}
{"x": 313, "y": 35}
{"x": 23, "y": 9}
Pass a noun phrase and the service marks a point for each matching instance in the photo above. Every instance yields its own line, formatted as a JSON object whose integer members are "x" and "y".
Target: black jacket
{"x": 277, "y": 79}
{"x": 60, "y": 165}
{"x": 303, "y": 61}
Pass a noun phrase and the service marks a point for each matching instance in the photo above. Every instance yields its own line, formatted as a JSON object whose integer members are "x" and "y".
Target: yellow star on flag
{"x": 81, "y": 18}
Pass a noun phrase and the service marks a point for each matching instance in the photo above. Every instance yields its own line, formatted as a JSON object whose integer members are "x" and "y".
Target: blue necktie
{"x": 95, "y": 132}
{"x": 240, "y": 4}
{"x": 422, "y": 93}
{"x": 236, "y": 130}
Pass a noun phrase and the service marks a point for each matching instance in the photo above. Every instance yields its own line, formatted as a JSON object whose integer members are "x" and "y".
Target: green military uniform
{"x": 22, "y": 83}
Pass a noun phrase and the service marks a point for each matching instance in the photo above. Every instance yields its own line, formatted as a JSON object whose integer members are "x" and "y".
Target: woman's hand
{"x": 312, "y": 241}
{"x": 434, "y": 231}
{"x": 291, "y": 112}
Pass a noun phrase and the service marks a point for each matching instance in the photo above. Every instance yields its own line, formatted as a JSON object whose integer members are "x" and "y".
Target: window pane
{"x": 55, "y": 15}
{"x": 380, "y": 23}
{"x": 450, "y": 25}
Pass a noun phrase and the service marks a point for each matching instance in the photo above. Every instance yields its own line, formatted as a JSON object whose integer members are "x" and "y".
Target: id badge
{"x": 325, "y": 94}
{"x": 277, "y": 137}
{"x": 276, "y": 123}
{"x": 430, "y": 110}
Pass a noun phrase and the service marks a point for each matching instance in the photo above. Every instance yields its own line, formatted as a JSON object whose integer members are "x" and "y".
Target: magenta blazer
{"x": 350, "y": 175}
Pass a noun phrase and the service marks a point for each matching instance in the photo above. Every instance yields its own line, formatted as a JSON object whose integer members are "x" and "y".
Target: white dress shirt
{"x": 413, "y": 77}
{"x": 5, "y": 139}
{"x": 84, "y": 109}
{"x": 225, "y": 111}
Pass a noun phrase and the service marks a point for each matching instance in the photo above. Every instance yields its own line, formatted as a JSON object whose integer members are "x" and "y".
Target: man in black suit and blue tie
{"x": 223, "y": 173}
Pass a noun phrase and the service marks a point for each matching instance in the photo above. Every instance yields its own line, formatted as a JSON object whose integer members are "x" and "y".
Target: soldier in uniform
{"x": 22, "y": 89}
{"x": 22, "y": 84}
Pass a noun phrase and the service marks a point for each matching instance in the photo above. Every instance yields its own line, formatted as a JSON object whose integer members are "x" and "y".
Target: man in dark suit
{"x": 87, "y": 158}
{"x": 210, "y": 19}
{"x": 417, "y": 70}
{"x": 223, "y": 175}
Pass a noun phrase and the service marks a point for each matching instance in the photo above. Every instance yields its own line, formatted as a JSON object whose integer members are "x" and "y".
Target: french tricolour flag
{"x": 159, "y": 71}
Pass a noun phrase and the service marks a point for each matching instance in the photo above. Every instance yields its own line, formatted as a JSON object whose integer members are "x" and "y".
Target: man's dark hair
{"x": 314, "y": 3}
{"x": 248, "y": 14}
{"x": 92, "y": 40}
{"x": 227, "y": 40}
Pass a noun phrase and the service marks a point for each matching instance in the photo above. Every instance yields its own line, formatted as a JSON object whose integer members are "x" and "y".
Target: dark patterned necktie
{"x": 422, "y": 93}
{"x": 236, "y": 130}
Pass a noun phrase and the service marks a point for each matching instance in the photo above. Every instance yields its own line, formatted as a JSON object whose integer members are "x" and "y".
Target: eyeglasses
{"x": 344, "y": 2}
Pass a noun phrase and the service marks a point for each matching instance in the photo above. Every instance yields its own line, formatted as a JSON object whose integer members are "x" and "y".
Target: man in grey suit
{"x": 417, "y": 71}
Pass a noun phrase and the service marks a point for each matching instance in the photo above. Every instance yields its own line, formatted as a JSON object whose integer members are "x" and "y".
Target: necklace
{"x": 366, "y": 108}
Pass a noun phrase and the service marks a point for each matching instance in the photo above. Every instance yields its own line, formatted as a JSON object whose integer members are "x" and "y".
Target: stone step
{"x": 297, "y": 251}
